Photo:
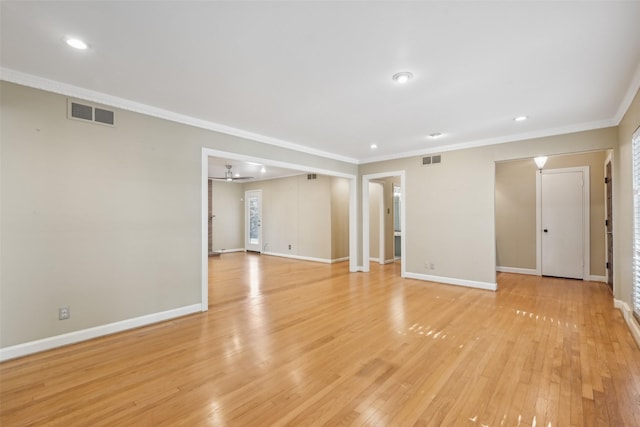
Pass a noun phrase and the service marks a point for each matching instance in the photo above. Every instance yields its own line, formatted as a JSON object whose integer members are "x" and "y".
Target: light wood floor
{"x": 297, "y": 343}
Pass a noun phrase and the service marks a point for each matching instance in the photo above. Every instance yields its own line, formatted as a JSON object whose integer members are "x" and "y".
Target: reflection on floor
{"x": 289, "y": 342}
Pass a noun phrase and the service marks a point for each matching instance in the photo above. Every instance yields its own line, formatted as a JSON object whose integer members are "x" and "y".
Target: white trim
{"x": 365, "y": 217}
{"x": 204, "y": 233}
{"x": 226, "y": 251}
{"x": 389, "y": 261}
{"x": 336, "y": 260}
{"x": 627, "y": 313}
{"x": 300, "y": 257}
{"x": 586, "y": 217}
{"x": 382, "y": 249}
{"x": 632, "y": 90}
{"x": 515, "y": 270}
{"x": 208, "y": 152}
{"x": 581, "y": 127}
{"x": 594, "y": 278}
{"x": 375, "y": 259}
{"x": 95, "y": 332}
{"x": 36, "y": 82}
{"x": 453, "y": 281}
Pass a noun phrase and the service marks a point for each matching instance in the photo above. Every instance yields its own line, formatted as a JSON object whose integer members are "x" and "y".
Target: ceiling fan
{"x": 228, "y": 176}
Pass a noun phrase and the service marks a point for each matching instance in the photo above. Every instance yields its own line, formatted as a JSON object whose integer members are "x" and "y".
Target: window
{"x": 636, "y": 224}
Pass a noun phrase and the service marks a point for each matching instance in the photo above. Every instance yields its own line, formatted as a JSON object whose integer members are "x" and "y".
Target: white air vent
{"x": 432, "y": 160}
{"x": 81, "y": 110}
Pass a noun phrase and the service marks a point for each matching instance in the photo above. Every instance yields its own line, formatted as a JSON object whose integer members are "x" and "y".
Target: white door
{"x": 253, "y": 220}
{"x": 562, "y": 223}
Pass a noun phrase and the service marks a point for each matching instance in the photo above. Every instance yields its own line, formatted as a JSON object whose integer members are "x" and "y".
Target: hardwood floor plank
{"x": 288, "y": 342}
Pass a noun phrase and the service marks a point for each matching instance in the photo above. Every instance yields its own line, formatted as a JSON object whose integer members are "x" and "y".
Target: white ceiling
{"x": 317, "y": 75}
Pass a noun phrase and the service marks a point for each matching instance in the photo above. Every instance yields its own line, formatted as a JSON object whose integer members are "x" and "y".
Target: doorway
{"x": 366, "y": 214}
{"x": 253, "y": 220}
{"x": 563, "y": 222}
{"x": 206, "y": 153}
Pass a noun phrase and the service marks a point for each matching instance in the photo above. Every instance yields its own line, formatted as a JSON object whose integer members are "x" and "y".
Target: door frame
{"x": 586, "y": 238}
{"x": 365, "y": 218}
{"x": 204, "y": 212}
{"x": 608, "y": 236}
{"x": 381, "y": 223}
{"x": 246, "y": 221}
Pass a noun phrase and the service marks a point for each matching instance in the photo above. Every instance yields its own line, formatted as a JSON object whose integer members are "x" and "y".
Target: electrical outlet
{"x": 64, "y": 313}
{"x": 289, "y": 247}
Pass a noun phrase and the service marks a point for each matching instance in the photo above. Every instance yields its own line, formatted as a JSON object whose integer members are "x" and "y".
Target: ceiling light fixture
{"x": 436, "y": 135}
{"x": 374, "y": 146}
{"x": 263, "y": 170}
{"x": 76, "y": 43}
{"x": 520, "y": 118}
{"x": 540, "y": 162}
{"x": 402, "y": 77}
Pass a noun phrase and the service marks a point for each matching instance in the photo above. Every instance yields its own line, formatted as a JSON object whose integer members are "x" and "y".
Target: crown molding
{"x": 634, "y": 86}
{"x": 582, "y": 127}
{"x": 37, "y": 82}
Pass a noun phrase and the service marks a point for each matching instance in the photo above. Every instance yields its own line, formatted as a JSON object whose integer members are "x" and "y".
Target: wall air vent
{"x": 103, "y": 116}
{"x": 432, "y": 160}
{"x": 312, "y": 176}
{"x": 77, "y": 110}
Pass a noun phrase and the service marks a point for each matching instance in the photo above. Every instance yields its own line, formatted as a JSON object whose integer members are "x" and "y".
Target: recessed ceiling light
{"x": 374, "y": 146}
{"x": 402, "y": 77}
{"x": 436, "y": 135}
{"x": 263, "y": 169}
{"x": 520, "y": 118}
{"x": 76, "y": 43}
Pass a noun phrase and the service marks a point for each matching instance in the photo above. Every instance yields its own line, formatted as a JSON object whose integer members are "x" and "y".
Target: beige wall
{"x": 228, "y": 224}
{"x": 516, "y": 209}
{"x": 516, "y": 214}
{"x": 300, "y": 212}
{"x": 450, "y": 209}
{"x": 623, "y": 205}
{"x": 339, "y": 218}
{"x": 106, "y": 220}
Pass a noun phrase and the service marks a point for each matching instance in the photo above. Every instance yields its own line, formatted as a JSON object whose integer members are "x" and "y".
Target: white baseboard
{"x": 226, "y": 251}
{"x": 529, "y": 271}
{"x": 335, "y": 260}
{"x": 371, "y": 259}
{"x": 37, "y": 346}
{"x": 302, "y": 258}
{"x": 452, "y": 281}
{"x": 389, "y": 261}
{"x": 632, "y": 323}
{"x": 627, "y": 313}
{"x": 593, "y": 278}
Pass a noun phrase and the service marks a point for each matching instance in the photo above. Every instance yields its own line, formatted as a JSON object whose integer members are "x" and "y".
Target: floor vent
{"x": 89, "y": 113}
{"x": 432, "y": 160}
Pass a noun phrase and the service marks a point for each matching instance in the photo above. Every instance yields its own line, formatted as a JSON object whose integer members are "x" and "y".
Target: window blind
{"x": 636, "y": 224}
